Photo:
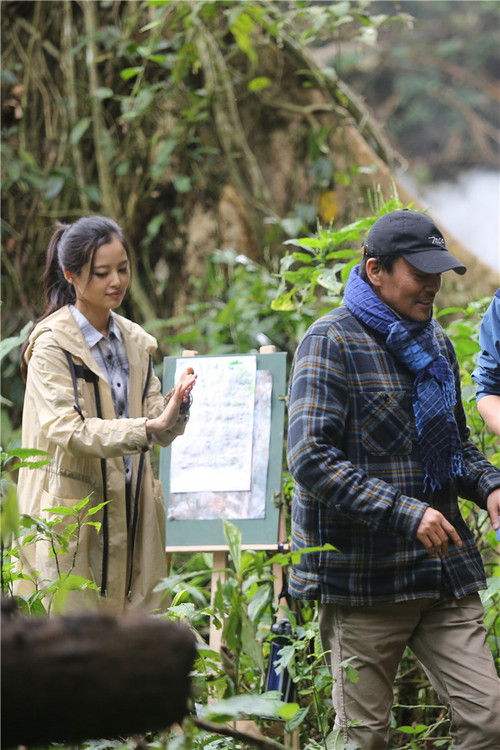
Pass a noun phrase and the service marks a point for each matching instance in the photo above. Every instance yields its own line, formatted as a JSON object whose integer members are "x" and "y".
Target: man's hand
{"x": 434, "y": 531}
{"x": 493, "y": 506}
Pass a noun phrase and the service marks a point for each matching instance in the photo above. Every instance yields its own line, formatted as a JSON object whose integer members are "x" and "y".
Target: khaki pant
{"x": 448, "y": 637}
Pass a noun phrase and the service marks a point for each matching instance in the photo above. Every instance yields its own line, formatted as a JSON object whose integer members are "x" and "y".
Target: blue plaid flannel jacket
{"x": 358, "y": 478}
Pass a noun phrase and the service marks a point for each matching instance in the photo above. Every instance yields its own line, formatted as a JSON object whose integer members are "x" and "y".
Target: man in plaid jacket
{"x": 379, "y": 451}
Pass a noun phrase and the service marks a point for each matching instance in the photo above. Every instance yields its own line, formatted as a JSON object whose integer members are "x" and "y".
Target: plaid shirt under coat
{"x": 358, "y": 477}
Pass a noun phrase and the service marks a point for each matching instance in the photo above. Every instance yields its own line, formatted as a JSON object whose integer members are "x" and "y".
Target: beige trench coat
{"x": 51, "y": 423}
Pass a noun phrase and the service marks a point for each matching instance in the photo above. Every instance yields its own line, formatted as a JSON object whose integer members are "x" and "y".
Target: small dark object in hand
{"x": 186, "y": 401}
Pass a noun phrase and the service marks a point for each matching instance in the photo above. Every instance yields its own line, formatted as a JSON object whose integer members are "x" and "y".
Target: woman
{"x": 94, "y": 404}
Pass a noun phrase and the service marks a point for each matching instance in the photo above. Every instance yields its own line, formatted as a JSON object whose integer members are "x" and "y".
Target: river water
{"x": 468, "y": 208}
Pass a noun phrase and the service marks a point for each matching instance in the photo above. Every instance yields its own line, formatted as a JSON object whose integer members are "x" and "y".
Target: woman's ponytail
{"x": 57, "y": 292}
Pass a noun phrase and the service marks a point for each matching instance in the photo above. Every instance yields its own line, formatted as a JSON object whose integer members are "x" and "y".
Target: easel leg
{"x": 277, "y": 569}
{"x": 219, "y": 565}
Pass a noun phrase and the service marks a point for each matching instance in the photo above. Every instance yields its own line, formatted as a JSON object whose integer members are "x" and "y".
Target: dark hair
{"x": 71, "y": 247}
{"x": 386, "y": 263}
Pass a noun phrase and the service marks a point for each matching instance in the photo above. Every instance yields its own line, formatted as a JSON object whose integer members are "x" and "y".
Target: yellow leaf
{"x": 328, "y": 206}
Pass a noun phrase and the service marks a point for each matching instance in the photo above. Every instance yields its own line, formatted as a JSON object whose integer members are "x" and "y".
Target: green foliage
{"x": 229, "y": 685}
{"x": 21, "y": 531}
{"x": 13, "y": 342}
{"x": 312, "y": 279}
{"x": 233, "y": 310}
{"x": 9, "y": 361}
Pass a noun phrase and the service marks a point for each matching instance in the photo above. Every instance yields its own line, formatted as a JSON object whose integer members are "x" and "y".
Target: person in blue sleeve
{"x": 379, "y": 451}
{"x": 487, "y": 373}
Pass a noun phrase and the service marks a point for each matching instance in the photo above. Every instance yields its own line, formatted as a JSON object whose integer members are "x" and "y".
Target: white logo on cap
{"x": 436, "y": 240}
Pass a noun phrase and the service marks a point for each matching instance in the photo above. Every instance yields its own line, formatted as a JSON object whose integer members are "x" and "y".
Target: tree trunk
{"x": 74, "y": 678}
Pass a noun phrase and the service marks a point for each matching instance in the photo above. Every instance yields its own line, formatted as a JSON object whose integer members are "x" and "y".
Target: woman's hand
{"x": 179, "y": 394}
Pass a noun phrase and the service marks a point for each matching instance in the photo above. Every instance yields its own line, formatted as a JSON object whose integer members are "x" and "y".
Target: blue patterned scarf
{"x": 434, "y": 397}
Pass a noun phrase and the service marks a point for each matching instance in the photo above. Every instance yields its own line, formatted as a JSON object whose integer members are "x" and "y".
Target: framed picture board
{"x": 228, "y": 462}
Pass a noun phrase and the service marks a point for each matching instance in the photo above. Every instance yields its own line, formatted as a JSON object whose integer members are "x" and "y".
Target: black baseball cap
{"x": 414, "y": 237}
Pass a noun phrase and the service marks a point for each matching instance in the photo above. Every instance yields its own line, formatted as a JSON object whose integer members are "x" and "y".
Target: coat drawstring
{"x": 78, "y": 371}
{"x": 138, "y": 485}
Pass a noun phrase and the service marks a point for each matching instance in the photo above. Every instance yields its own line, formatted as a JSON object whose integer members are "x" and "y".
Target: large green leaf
{"x": 243, "y": 705}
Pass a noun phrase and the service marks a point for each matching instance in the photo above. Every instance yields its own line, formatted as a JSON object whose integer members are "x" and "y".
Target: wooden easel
{"x": 220, "y": 552}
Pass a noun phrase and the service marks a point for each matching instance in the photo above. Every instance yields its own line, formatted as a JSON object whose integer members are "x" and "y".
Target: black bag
{"x": 282, "y": 682}
{"x": 282, "y": 633}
